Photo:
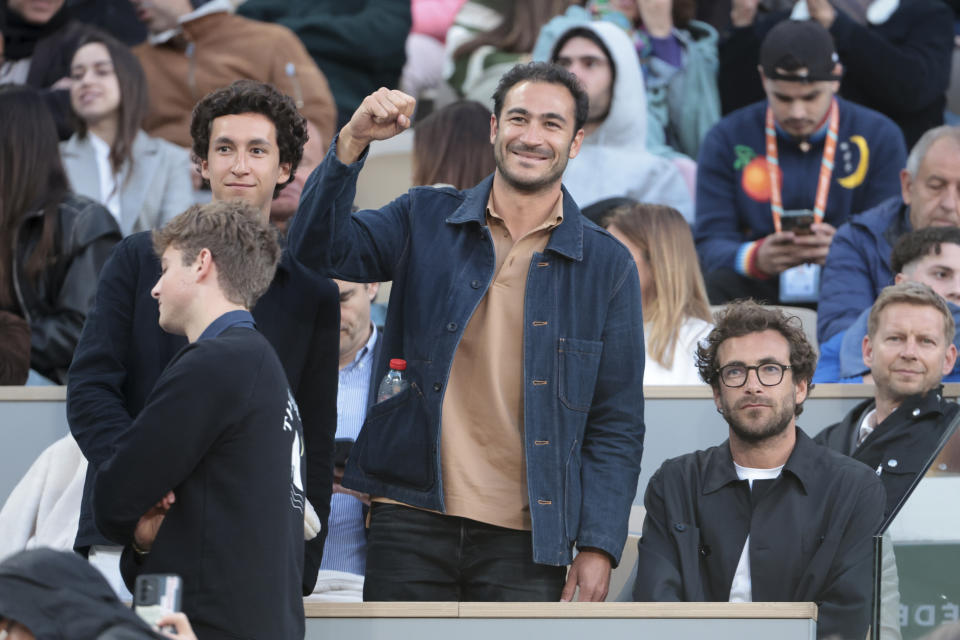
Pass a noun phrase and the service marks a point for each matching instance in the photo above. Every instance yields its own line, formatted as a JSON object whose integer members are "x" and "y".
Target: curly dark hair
{"x": 743, "y": 317}
{"x": 249, "y": 96}
{"x": 543, "y": 72}
{"x": 920, "y": 244}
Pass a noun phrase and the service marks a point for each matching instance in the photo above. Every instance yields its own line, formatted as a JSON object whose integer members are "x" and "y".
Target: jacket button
{"x": 451, "y": 326}
{"x": 916, "y": 412}
{"x": 680, "y": 527}
{"x": 475, "y": 284}
{"x": 892, "y": 463}
{"x": 437, "y": 386}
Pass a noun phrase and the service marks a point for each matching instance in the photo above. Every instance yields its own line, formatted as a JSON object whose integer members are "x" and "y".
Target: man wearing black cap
{"x": 776, "y": 178}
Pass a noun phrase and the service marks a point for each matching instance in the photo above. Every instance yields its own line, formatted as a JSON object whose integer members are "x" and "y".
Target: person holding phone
{"x": 776, "y": 178}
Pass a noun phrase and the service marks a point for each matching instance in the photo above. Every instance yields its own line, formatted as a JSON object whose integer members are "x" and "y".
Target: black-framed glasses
{"x": 770, "y": 374}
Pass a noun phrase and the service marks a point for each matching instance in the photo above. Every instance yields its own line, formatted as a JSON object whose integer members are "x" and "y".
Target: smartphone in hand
{"x": 156, "y": 595}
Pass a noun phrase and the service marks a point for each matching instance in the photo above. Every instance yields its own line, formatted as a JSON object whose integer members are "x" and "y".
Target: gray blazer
{"x": 158, "y": 189}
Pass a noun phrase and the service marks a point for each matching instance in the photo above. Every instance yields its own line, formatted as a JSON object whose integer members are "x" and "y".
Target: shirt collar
{"x": 368, "y": 347}
{"x": 566, "y": 239}
{"x": 720, "y": 470}
{"x": 240, "y": 317}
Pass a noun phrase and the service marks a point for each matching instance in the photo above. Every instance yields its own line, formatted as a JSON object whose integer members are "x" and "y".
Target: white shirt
{"x": 109, "y": 191}
{"x": 867, "y": 425}
{"x": 741, "y": 589}
{"x": 684, "y": 369}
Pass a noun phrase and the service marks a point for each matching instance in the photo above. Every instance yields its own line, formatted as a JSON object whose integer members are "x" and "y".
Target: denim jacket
{"x": 582, "y": 350}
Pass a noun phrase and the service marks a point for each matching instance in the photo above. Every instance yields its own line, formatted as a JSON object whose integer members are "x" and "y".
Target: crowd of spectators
{"x": 793, "y": 152}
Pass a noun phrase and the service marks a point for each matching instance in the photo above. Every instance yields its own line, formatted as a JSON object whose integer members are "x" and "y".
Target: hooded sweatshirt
{"x": 59, "y": 596}
{"x": 613, "y": 160}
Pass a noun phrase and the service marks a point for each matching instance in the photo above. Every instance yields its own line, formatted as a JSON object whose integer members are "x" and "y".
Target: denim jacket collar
{"x": 566, "y": 238}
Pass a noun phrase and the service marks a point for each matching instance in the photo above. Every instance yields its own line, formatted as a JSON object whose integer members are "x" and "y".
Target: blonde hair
{"x": 914, "y": 293}
{"x": 243, "y": 245}
{"x": 664, "y": 237}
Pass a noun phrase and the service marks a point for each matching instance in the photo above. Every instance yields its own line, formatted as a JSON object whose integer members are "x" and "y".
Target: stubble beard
{"x": 529, "y": 186}
{"x": 773, "y": 427}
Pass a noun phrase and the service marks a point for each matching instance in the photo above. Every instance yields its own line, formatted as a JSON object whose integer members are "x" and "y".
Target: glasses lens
{"x": 733, "y": 375}
{"x": 770, "y": 374}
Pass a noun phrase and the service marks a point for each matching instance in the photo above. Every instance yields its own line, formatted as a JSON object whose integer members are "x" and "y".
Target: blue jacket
{"x": 583, "y": 429}
{"x": 858, "y": 265}
{"x": 870, "y": 154}
{"x": 122, "y": 352}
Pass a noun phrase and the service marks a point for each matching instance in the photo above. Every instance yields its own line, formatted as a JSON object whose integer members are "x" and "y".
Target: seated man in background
{"x": 768, "y": 515}
{"x": 769, "y": 170}
{"x": 858, "y": 265}
{"x": 930, "y": 256}
{"x": 191, "y": 52}
{"x": 908, "y": 348}
{"x": 248, "y": 140}
{"x": 203, "y": 484}
{"x": 360, "y": 343}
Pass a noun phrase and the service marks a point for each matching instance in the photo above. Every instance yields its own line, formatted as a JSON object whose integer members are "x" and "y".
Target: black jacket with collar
{"x": 810, "y": 533}
{"x": 900, "y": 446}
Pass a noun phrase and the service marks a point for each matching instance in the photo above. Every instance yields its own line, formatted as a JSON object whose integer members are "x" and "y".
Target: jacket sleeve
{"x": 326, "y": 237}
{"x": 382, "y": 24}
{"x": 317, "y": 399}
{"x": 165, "y": 443}
{"x": 851, "y": 347}
{"x": 295, "y": 73}
{"x": 54, "y": 336}
{"x": 659, "y": 578}
{"x": 899, "y": 76}
{"x": 846, "y": 288}
{"x": 96, "y": 410}
{"x": 613, "y": 436}
{"x": 716, "y": 227}
{"x": 844, "y": 600}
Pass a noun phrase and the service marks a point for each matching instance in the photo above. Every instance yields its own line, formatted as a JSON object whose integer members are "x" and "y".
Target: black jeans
{"x": 424, "y": 556}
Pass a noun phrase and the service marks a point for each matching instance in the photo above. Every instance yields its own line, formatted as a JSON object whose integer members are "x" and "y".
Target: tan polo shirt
{"x": 481, "y": 434}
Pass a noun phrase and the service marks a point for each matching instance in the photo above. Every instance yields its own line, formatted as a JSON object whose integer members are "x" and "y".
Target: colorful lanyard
{"x": 826, "y": 166}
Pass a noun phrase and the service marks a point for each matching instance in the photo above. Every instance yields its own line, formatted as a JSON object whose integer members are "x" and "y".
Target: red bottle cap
{"x": 398, "y": 363}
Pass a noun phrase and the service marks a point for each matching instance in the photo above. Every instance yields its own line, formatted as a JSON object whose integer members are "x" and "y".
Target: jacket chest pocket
{"x": 579, "y": 362}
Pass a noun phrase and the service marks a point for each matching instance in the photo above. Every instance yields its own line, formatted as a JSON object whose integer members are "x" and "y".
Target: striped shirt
{"x": 346, "y": 546}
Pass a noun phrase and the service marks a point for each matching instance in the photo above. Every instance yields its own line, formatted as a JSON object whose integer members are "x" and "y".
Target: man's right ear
{"x": 867, "y": 349}
{"x": 493, "y": 128}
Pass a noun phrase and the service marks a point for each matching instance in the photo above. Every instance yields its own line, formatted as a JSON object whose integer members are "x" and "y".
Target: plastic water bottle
{"x": 394, "y": 382}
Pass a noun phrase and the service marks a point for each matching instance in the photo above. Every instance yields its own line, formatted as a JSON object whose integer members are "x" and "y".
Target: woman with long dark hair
{"x": 52, "y": 242}
{"x": 143, "y": 181}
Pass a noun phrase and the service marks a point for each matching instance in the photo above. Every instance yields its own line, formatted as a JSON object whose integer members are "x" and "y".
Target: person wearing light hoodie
{"x": 614, "y": 160}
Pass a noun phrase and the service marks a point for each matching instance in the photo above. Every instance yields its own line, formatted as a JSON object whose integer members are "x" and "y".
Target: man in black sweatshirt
{"x": 208, "y": 483}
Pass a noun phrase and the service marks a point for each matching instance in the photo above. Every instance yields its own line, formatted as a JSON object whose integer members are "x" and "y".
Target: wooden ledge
{"x": 672, "y": 610}
{"x": 33, "y": 394}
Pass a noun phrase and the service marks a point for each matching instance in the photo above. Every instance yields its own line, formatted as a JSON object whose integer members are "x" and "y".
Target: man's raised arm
{"x": 325, "y": 235}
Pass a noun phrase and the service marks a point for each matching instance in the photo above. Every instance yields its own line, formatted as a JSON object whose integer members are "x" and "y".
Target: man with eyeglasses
{"x": 768, "y": 515}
